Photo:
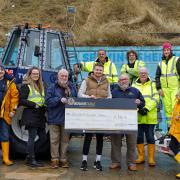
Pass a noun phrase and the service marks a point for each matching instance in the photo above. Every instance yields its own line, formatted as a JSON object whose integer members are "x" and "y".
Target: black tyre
{"x": 19, "y": 137}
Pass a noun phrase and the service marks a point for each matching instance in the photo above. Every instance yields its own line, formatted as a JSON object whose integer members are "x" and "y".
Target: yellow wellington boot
{"x": 5, "y": 153}
{"x": 151, "y": 151}
{"x": 140, "y": 159}
{"x": 177, "y": 158}
{"x": 178, "y": 176}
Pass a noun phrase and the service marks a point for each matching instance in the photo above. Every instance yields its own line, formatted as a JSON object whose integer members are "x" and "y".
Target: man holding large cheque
{"x": 124, "y": 91}
{"x": 95, "y": 86}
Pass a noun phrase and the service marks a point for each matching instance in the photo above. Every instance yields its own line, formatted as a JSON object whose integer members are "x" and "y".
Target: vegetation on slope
{"x": 99, "y": 22}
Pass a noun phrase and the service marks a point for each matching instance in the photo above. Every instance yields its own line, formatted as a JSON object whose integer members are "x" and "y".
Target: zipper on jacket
{"x": 166, "y": 73}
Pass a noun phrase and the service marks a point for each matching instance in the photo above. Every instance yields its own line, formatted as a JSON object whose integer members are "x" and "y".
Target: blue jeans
{"x": 4, "y": 131}
{"x": 148, "y": 130}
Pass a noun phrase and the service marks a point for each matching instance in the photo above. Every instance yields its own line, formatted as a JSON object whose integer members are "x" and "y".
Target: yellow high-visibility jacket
{"x": 109, "y": 69}
{"x": 169, "y": 76}
{"x": 36, "y": 97}
{"x": 152, "y": 99}
{"x": 175, "y": 121}
{"x": 133, "y": 72}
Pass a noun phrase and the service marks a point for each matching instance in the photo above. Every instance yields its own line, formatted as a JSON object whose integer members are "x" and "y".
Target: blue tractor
{"x": 35, "y": 46}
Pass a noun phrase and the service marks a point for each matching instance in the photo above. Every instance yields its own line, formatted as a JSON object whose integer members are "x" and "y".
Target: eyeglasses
{"x": 35, "y": 73}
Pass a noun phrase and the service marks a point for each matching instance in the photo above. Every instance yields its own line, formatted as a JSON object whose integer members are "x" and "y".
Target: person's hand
{"x": 94, "y": 97}
{"x": 11, "y": 114}
{"x": 143, "y": 111}
{"x": 37, "y": 106}
{"x": 64, "y": 100}
{"x": 161, "y": 93}
{"x": 137, "y": 101}
{"x": 43, "y": 108}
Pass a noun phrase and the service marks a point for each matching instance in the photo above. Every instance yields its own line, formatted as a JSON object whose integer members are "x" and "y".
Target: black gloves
{"x": 143, "y": 111}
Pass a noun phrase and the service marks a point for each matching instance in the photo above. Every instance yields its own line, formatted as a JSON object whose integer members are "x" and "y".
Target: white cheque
{"x": 101, "y": 119}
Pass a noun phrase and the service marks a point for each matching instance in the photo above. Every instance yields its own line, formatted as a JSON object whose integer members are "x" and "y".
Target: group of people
{"x": 146, "y": 98}
{"x": 134, "y": 82}
{"x": 31, "y": 96}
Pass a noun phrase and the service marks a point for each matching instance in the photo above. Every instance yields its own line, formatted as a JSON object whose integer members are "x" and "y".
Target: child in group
{"x": 175, "y": 131}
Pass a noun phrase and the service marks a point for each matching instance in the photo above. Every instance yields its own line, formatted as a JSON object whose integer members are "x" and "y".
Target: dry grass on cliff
{"x": 99, "y": 22}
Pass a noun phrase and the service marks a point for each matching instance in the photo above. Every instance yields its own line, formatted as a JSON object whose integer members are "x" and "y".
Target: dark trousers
{"x": 148, "y": 130}
{"x": 4, "y": 131}
{"x": 87, "y": 142}
{"x": 174, "y": 145}
{"x": 33, "y": 131}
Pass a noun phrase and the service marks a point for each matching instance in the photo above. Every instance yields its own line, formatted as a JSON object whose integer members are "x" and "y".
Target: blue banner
{"x": 151, "y": 55}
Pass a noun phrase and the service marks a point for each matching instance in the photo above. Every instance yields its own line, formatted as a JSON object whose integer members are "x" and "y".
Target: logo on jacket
{"x": 71, "y": 101}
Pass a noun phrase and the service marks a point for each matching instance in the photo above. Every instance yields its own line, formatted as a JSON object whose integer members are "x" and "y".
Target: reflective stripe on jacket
{"x": 169, "y": 76}
{"x": 133, "y": 72}
{"x": 151, "y": 97}
{"x": 109, "y": 70}
{"x": 35, "y": 96}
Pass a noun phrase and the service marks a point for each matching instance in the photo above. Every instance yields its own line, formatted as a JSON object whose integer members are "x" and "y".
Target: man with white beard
{"x": 125, "y": 91}
{"x": 56, "y": 97}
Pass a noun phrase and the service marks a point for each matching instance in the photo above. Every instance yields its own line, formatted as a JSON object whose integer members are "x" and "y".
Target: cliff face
{"x": 99, "y": 22}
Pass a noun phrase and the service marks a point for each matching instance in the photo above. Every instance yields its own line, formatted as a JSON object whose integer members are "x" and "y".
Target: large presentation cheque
{"x": 83, "y": 114}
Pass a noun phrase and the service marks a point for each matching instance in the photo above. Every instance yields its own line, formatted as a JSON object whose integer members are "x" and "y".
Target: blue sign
{"x": 151, "y": 55}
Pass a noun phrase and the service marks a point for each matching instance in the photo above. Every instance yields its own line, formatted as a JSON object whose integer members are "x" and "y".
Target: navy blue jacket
{"x": 131, "y": 93}
{"x": 55, "y": 108}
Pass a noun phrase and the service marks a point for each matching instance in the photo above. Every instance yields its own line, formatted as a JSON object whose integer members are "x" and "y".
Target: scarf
{"x": 66, "y": 88}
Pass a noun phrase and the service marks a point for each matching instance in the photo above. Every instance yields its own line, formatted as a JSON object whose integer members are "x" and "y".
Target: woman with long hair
{"x": 33, "y": 117}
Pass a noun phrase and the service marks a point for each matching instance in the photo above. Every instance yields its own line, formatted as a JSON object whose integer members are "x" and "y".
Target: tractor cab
{"x": 36, "y": 46}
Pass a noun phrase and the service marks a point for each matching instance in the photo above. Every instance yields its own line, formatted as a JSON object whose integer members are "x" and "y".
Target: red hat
{"x": 167, "y": 45}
